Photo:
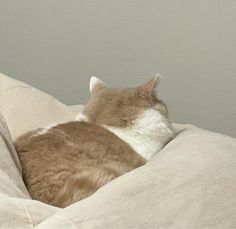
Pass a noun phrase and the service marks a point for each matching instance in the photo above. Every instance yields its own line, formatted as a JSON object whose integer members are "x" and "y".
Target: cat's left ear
{"x": 150, "y": 87}
{"x": 96, "y": 85}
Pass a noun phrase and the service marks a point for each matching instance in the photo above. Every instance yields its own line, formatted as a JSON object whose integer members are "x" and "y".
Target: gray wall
{"x": 56, "y": 45}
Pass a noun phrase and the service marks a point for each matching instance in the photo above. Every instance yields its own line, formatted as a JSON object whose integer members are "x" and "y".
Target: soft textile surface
{"x": 191, "y": 183}
{"x": 17, "y": 209}
{"x": 26, "y": 108}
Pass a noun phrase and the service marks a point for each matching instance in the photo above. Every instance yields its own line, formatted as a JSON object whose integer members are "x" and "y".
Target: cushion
{"x": 17, "y": 209}
{"x": 26, "y": 108}
{"x": 190, "y": 183}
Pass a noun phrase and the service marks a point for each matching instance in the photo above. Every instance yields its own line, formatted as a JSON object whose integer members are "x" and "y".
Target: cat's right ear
{"x": 96, "y": 85}
{"x": 150, "y": 87}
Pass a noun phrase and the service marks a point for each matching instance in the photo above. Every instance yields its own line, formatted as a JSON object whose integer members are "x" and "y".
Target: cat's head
{"x": 122, "y": 107}
{"x": 136, "y": 115}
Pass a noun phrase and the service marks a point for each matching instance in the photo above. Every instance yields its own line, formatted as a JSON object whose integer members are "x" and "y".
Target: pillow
{"x": 11, "y": 181}
{"x": 190, "y": 183}
{"x": 26, "y": 108}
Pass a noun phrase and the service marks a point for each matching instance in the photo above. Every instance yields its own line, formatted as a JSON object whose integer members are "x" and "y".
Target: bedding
{"x": 190, "y": 183}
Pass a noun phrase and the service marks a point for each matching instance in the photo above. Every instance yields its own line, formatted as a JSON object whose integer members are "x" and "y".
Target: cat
{"x": 119, "y": 130}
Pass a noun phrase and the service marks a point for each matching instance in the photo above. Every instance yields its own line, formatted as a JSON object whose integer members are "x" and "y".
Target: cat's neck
{"x": 144, "y": 143}
{"x": 147, "y": 135}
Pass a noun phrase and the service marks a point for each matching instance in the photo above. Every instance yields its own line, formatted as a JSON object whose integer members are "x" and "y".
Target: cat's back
{"x": 78, "y": 139}
{"x": 51, "y": 157}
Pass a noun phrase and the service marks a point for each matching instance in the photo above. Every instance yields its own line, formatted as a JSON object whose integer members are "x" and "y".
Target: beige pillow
{"x": 26, "y": 108}
{"x": 10, "y": 169}
{"x": 191, "y": 183}
{"x": 17, "y": 210}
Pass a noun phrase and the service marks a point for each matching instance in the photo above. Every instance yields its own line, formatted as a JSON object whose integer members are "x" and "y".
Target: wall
{"x": 56, "y": 45}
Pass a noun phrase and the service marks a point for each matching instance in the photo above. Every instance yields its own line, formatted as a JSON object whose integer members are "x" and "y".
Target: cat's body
{"x": 73, "y": 156}
{"x": 119, "y": 130}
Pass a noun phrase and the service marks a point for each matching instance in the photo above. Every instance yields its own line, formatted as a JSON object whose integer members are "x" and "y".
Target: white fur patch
{"x": 45, "y": 130}
{"x": 148, "y": 134}
{"x": 81, "y": 117}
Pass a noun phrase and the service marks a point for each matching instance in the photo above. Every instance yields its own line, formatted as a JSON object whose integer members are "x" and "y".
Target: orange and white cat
{"x": 118, "y": 131}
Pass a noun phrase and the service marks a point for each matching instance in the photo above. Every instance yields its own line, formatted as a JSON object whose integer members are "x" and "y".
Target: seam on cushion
{"x": 72, "y": 224}
{"x": 9, "y": 144}
{"x": 29, "y": 216}
{"x": 24, "y": 193}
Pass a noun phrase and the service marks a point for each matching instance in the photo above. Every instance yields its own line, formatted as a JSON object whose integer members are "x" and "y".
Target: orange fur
{"x": 70, "y": 161}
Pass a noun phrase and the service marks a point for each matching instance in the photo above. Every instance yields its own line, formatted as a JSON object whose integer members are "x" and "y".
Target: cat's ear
{"x": 150, "y": 88}
{"x": 95, "y": 85}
